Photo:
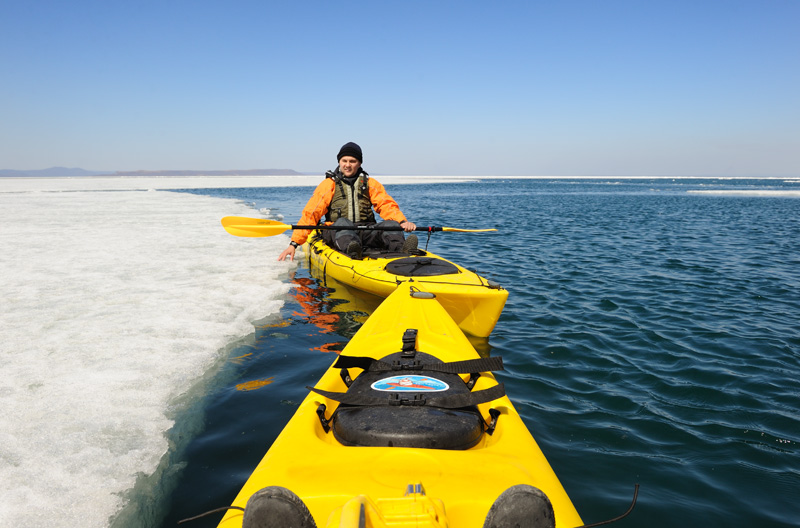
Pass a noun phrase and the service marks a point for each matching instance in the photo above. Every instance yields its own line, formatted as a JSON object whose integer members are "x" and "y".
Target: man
{"x": 347, "y": 197}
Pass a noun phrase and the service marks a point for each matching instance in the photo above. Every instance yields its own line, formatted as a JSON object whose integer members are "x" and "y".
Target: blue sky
{"x": 601, "y": 87}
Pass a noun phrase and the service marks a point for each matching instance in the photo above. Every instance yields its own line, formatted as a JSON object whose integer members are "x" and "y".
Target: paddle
{"x": 243, "y": 226}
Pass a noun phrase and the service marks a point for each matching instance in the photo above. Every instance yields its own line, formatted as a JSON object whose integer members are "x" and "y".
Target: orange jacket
{"x": 318, "y": 205}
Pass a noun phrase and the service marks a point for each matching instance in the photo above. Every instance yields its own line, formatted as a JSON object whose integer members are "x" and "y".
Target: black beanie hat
{"x": 350, "y": 149}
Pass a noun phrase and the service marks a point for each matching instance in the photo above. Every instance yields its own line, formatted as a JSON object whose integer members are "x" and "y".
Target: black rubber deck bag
{"x": 421, "y": 267}
{"x": 406, "y": 424}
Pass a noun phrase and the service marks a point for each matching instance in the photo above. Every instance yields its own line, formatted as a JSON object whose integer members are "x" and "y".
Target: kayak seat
{"x": 421, "y": 267}
{"x": 426, "y": 406}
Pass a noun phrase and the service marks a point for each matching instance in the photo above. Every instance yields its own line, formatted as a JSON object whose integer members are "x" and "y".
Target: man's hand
{"x": 408, "y": 226}
{"x": 288, "y": 252}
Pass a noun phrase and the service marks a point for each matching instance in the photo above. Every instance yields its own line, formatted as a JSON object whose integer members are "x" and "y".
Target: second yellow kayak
{"x": 474, "y": 302}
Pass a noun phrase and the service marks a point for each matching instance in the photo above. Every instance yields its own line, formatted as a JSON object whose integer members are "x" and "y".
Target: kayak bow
{"x": 434, "y": 443}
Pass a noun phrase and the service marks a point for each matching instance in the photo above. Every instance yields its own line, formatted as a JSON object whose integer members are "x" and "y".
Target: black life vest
{"x": 350, "y": 201}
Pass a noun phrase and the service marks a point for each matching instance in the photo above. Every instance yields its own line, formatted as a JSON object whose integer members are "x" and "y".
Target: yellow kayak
{"x": 474, "y": 302}
{"x": 408, "y": 428}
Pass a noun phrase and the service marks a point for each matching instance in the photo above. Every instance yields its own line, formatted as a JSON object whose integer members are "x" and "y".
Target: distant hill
{"x": 51, "y": 172}
{"x": 248, "y": 172}
{"x": 64, "y": 171}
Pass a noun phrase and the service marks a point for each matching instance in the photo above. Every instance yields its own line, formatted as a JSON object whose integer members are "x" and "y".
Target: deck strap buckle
{"x": 407, "y": 365}
{"x": 396, "y": 399}
{"x": 495, "y": 414}
{"x": 410, "y": 342}
{"x": 326, "y": 424}
{"x": 345, "y": 375}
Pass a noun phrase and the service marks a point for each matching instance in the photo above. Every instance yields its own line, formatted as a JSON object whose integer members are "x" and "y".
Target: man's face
{"x": 349, "y": 166}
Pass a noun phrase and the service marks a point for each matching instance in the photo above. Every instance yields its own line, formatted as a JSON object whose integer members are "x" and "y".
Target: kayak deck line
{"x": 349, "y": 458}
{"x": 482, "y": 281}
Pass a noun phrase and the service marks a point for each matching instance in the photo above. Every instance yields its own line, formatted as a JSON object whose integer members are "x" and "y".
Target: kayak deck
{"x": 474, "y": 302}
{"x": 378, "y": 485}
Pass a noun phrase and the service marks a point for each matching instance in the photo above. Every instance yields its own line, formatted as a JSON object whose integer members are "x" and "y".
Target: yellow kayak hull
{"x": 343, "y": 486}
{"x": 474, "y": 302}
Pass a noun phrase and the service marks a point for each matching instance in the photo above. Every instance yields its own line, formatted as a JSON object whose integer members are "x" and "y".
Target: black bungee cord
{"x": 430, "y": 230}
{"x": 615, "y": 519}
{"x": 225, "y": 508}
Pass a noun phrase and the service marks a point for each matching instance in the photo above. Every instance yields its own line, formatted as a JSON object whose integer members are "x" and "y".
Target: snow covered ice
{"x": 114, "y": 304}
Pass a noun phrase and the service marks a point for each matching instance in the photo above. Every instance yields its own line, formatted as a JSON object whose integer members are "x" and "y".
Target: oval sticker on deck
{"x": 410, "y": 383}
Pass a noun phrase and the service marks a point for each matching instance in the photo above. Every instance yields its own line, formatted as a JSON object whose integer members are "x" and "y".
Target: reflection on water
{"x": 333, "y": 310}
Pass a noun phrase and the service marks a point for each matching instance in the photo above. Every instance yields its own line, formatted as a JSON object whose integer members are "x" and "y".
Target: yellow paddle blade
{"x": 457, "y": 230}
{"x": 243, "y": 226}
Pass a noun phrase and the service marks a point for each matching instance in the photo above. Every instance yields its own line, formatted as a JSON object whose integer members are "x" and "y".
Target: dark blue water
{"x": 652, "y": 336}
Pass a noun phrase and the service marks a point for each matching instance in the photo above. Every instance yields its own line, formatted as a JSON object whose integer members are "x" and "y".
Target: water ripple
{"x": 655, "y": 338}
{"x": 651, "y": 336}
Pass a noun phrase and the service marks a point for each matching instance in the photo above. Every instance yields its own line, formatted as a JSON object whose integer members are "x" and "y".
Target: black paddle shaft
{"x": 373, "y": 227}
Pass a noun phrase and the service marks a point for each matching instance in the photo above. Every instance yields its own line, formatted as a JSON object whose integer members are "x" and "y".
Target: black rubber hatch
{"x": 421, "y": 267}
